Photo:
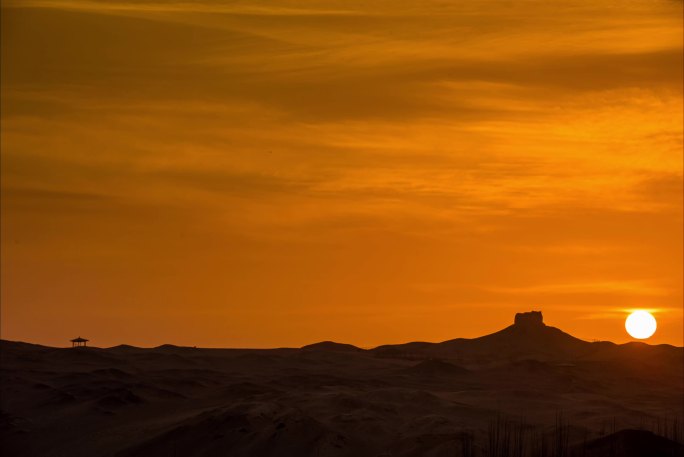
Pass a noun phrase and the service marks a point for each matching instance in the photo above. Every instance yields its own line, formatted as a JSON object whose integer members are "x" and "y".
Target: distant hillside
{"x": 332, "y": 347}
{"x": 529, "y": 338}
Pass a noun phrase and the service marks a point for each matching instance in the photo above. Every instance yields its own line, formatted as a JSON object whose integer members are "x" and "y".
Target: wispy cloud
{"x": 343, "y": 153}
{"x": 634, "y": 288}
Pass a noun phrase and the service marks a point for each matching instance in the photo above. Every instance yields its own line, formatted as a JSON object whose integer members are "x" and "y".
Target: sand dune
{"x": 528, "y": 387}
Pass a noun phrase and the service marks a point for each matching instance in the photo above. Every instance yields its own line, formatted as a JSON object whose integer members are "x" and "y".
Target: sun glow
{"x": 641, "y": 324}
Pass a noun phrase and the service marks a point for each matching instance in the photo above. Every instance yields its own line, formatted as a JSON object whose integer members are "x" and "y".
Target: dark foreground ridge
{"x": 528, "y": 390}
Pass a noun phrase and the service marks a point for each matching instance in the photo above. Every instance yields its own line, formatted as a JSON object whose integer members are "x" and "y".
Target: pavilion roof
{"x": 79, "y": 340}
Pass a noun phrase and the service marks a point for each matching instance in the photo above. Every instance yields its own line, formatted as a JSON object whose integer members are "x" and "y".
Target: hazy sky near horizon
{"x": 271, "y": 173}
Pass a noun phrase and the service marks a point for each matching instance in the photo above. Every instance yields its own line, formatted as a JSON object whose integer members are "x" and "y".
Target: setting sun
{"x": 641, "y": 324}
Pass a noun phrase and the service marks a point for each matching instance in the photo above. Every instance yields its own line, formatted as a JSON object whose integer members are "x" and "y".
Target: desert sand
{"x": 527, "y": 390}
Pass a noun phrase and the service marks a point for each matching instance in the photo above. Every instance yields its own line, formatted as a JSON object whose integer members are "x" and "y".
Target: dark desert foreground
{"x": 529, "y": 389}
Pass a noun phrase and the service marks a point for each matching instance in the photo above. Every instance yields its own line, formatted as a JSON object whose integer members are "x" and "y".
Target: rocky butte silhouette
{"x": 527, "y": 390}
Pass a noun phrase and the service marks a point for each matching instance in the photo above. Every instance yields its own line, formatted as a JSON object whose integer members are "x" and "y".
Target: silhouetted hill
{"x": 125, "y": 348}
{"x": 332, "y": 347}
{"x": 172, "y": 348}
{"x": 527, "y": 338}
{"x": 530, "y": 339}
{"x": 523, "y": 339}
{"x": 19, "y": 347}
{"x": 631, "y": 443}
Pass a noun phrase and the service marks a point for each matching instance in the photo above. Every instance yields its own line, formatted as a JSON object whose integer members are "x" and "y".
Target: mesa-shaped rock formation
{"x": 529, "y": 319}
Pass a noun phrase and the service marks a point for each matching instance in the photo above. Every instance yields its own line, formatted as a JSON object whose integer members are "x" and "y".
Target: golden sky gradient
{"x": 259, "y": 174}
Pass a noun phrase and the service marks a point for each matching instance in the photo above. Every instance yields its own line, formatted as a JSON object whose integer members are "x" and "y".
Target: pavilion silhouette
{"x": 79, "y": 342}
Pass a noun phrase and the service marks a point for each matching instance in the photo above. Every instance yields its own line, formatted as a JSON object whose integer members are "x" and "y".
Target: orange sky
{"x": 258, "y": 174}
